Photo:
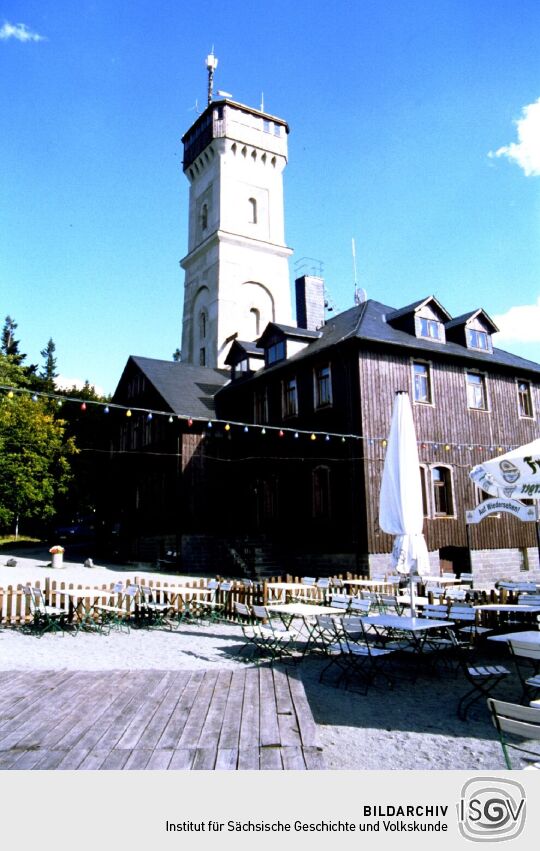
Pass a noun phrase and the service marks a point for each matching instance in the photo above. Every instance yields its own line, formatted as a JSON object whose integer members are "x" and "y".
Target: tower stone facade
{"x": 236, "y": 268}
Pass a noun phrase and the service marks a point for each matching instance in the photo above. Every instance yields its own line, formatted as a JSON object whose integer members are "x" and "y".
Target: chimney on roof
{"x": 309, "y": 302}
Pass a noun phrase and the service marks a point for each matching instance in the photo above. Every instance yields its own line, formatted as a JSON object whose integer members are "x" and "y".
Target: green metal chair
{"x": 45, "y": 618}
{"x": 517, "y": 721}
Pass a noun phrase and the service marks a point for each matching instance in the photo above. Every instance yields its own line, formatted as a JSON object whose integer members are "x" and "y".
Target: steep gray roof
{"x": 185, "y": 389}
{"x": 368, "y": 322}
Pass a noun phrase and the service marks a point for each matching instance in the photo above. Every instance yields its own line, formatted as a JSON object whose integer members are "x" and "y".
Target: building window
{"x": 266, "y": 125}
{"x": 277, "y": 130}
{"x": 240, "y": 368}
{"x": 290, "y": 398}
{"x": 275, "y": 352}
{"x": 321, "y": 492}
{"x": 252, "y": 211}
{"x": 423, "y": 482}
{"x": 430, "y": 328}
{"x": 443, "y": 502}
{"x": 525, "y": 399}
{"x": 260, "y": 407}
{"x": 478, "y": 339}
{"x": 202, "y": 356}
{"x": 422, "y": 383}
{"x": 323, "y": 387}
{"x": 476, "y": 391}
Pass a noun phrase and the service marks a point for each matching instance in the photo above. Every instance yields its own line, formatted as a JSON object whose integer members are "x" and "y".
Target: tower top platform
{"x": 245, "y": 125}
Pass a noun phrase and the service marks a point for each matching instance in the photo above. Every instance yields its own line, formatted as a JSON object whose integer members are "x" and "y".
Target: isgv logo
{"x": 491, "y": 809}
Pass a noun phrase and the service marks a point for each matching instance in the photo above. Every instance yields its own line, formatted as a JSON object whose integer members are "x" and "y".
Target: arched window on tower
{"x": 255, "y": 322}
{"x": 204, "y": 216}
{"x": 252, "y": 211}
{"x": 202, "y": 324}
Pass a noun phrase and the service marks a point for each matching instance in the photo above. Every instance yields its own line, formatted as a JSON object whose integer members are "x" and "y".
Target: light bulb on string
{"x": 246, "y": 429}
{"x": 227, "y": 427}
{"x": 313, "y": 437}
{"x": 190, "y": 422}
{"x": 263, "y": 431}
{"x": 128, "y": 413}
{"x": 327, "y": 438}
{"x": 296, "y": 434}
{"x": 149, "y": 416}
{"x": 34, "y": 397}
{"x": 83, "y": 406}
{"x": 171, "y": 419}
{"x": 10, "y": 394}
{"x": 210, "y": 424}
{"x": 281, "y": 432}
{"x": 106, "y": 409}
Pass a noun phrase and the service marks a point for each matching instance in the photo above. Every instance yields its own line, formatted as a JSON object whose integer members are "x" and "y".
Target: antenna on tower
{"x": 211, "y": 65}
{"x": 360, "y": 294}
{"x": 262, "y": 101}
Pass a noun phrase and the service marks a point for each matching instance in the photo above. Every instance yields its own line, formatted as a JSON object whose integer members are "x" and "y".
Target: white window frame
{"x": 418, "y": 362}
{"x": 483, "y": 379}
{"x": 521, "y": 415}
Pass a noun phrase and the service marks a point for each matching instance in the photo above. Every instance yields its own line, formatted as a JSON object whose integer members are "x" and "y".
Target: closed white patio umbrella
{"x": 401, "y": 511}
{"x": 514, "y": 475}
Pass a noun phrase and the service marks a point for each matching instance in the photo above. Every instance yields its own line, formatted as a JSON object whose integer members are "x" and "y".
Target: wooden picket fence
{"x": 14, "y": 610}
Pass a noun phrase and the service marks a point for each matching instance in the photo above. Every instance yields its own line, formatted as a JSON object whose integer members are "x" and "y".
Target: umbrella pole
{"x": 411, "y": 585}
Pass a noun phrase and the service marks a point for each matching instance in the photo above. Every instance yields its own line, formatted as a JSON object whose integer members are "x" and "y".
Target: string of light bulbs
{"x": 230, "y": 426}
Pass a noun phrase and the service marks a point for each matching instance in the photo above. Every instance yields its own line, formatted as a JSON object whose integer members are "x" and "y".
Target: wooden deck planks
{"x": 254, "y": 718}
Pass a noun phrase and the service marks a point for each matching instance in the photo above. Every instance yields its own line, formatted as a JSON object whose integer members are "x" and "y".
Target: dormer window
{"x": 240, "y": 368}
{"x": 478, "y": 339}
{"x": 430, "y": 328}
{"x": 275, "y": 352}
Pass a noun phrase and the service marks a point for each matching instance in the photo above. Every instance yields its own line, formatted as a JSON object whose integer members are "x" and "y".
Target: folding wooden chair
{"x": 360, "y": 660}
{"x": 482, "y": 679}
{"x": 211, "y": 609}
{"x": 526, "y": 656}
{"x": 45, "y": 618}
{"x": 466, "y": 619}
{"x": 117, "y": 612}
{"x": 150, "y": 612}
{"x": 515, "y": 720}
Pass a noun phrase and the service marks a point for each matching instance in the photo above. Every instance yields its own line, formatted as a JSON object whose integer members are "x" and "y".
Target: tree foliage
{"x": 34, "y": 451}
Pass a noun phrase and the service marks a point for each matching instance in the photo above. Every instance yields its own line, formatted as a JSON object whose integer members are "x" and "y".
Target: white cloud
{"x": 520, "y": 324}
{"x": 65, "y": 383}
{"x": 19, "y": 32}
{"x": 526, "y": 151}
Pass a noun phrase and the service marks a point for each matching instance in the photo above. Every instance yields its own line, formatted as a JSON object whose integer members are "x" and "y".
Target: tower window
{"x": 252, "y": 211}
{"x": 202, "y": 325}
{"x": 255, "y": 317}
{"x": 202, "y": 356}
{"x": 204, "y": 216}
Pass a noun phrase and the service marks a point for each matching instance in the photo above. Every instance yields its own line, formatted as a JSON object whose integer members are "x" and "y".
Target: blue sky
{"x": 415, "y": 130}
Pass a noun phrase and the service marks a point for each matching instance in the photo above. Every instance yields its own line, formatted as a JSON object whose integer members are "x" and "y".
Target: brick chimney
{"x": 309, "y": 302}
